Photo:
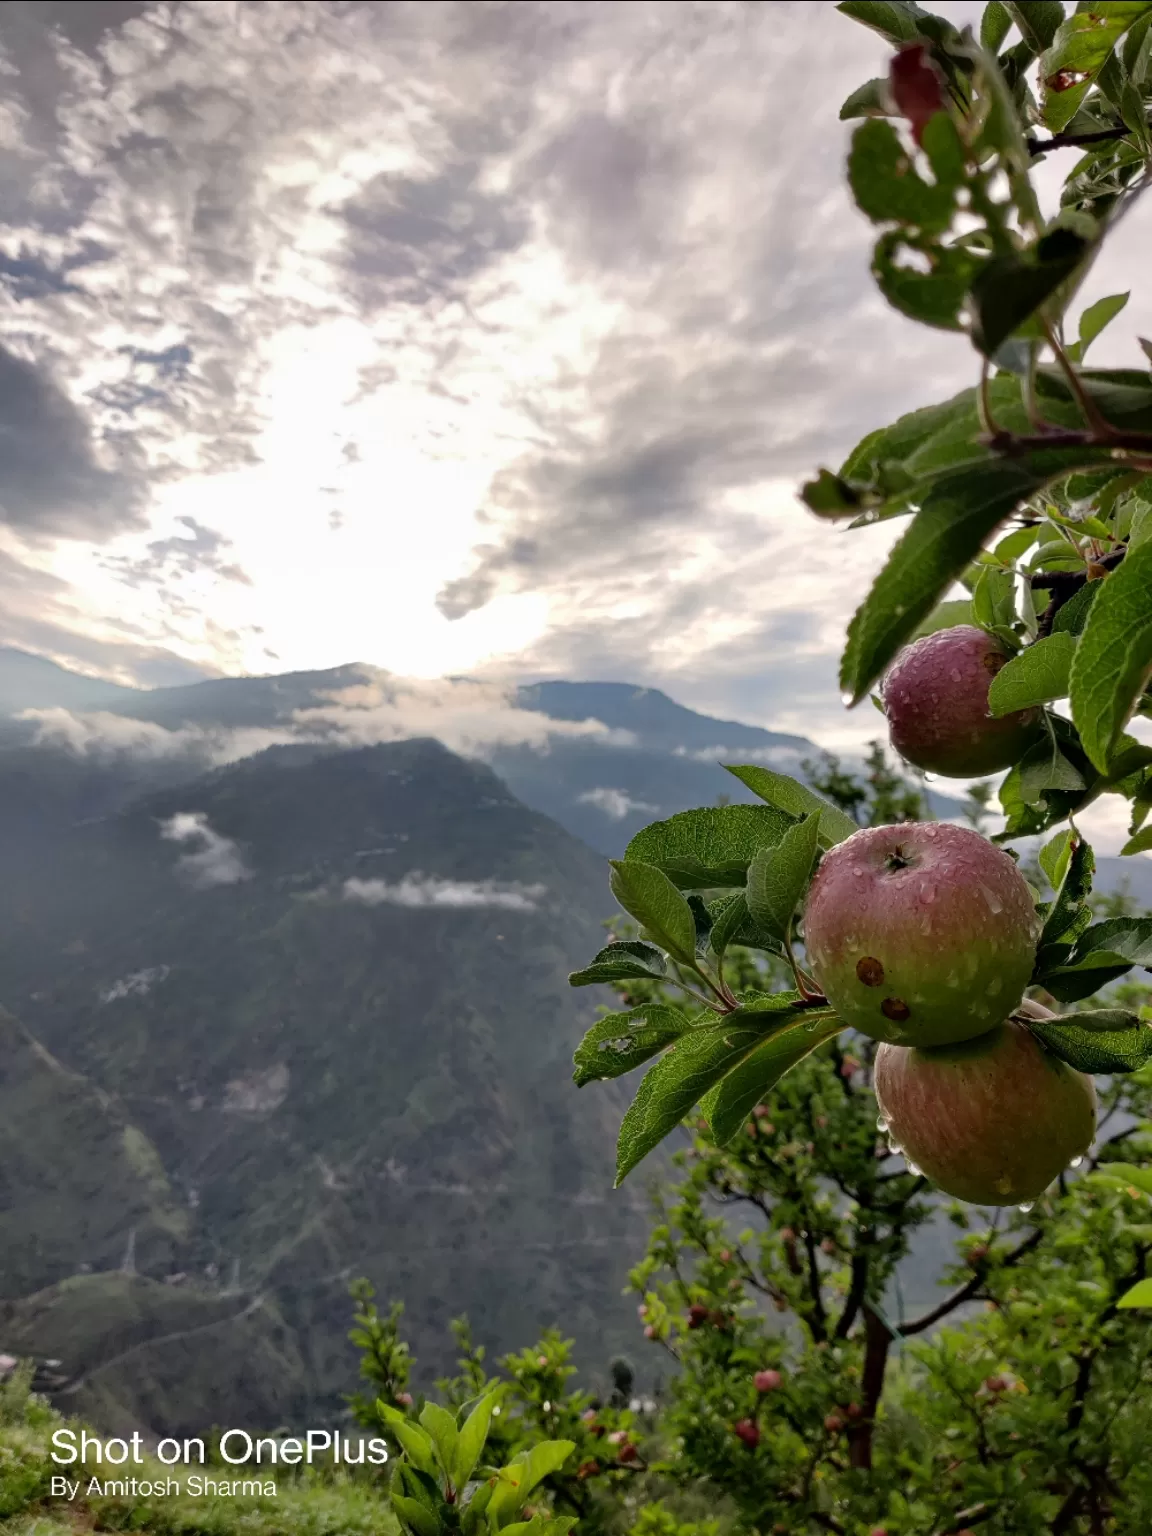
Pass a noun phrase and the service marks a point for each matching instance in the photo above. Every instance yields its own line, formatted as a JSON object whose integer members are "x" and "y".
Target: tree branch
{"x": 975, "y": 1514}
{"x": 1075, "y": 140}
{"x": 819, "y": 1318}
{"x": 970, "y": 1288}
{"x": 877, "y": 1342}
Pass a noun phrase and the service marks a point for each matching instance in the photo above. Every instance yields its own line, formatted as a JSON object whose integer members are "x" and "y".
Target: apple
{"x": 920, "y": 934}
{"x": 935, "y": 697}
{"x": 992, "y": 1120}
{"x": 749, "y": 1432}
{"x": 767, "y": 1381}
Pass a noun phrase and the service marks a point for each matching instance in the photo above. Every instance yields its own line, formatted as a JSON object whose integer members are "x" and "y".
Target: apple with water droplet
{"x": 935, "y": 697}
{"x": 992, "y": 1120}
{"x": 920, "y": 934}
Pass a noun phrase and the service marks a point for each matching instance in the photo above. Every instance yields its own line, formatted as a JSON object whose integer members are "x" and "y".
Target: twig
{"x": 1075, "y": 140}
{"x": 968, "y": 1290}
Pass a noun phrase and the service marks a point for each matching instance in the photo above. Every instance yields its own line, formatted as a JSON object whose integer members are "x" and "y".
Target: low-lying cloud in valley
{"x": 418, "y": 890}
{"x": 216, "y": 861}
{"x": 471, "y": 718}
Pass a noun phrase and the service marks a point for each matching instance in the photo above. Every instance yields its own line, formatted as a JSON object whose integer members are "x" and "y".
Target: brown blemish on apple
{"x": 896, "y": 1009}
{"x": 870, "y": 971}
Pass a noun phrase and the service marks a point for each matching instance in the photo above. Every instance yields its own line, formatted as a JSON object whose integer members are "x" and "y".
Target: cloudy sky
{"x": 487, "y": 338}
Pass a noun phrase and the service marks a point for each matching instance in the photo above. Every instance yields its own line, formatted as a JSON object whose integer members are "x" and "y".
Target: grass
{"x": 318, "y": 1501}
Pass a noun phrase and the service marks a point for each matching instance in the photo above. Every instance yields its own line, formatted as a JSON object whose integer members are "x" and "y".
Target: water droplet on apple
{"x": 995, "y": 905}
{"x": 955, "y": 674}
{"x": 1026, "y": 1206}
{"x": 928, "y": 895}
{"x": 881, "y": 1124}
{"x": 1075, "y": 1163}
{"x": 913, "y": 1168}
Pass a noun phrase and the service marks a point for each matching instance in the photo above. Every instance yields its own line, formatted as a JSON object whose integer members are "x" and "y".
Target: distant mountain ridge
{"x": 654, "y": 757}
{"x": 303, "y": 1018}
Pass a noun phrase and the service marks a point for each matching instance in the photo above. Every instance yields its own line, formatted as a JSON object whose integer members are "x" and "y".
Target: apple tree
{"x": 1009, "y": 631}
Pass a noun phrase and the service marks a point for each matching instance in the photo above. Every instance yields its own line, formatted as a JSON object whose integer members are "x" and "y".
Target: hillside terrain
{"x": 304, "y": 1018}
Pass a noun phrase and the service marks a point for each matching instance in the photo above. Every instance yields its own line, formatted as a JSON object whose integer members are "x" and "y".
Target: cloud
{"x": 615, "y": 803}
{"x": 51, "y": 479}
{"x": 470, "y": 718}
{"x": 217, "y": 861}
{"x": 418, "y": 890}
{"x": 104, "y": 736}
{"x": 548, "y": 305}
{"x": 167, "y": 560}
{"x": 137, "y": 984}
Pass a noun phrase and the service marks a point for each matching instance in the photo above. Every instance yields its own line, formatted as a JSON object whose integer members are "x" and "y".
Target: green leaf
{"x": 762, "y": 1069}
{"x": 1036, "y": 676}
{"x": 1106, "y": 1040}
{"x": 618, "y": 1042}
{"x": 1102, "y": 953}
{"x": 1044, "y": 768}
{"x": 1140, "y": 1295}
{"x": 1071, "y": 899}
{"x": 1054, "y": 857}
{"x": 890, "y": 446}
{"x": 868, "y": 100}
{"x": 994, "y": 598}
{"x": 413, "y": 1441}
{"x": 710, "y": 848}
{"x": 888, "y": 187}
{"x": 1072, "y": 616}
{"x": 1010, "y": 288}
{"x": 1141, "y": 530}
{"x": 1081, "y": 47}
{"x": 471, "y": 1441}
{"x": 626, "y": 960}
{"x": 441, "y": 1426}
{"x": 935, "y": 297}
{"x": 1038, "y": 20}
{"x": 517, "y": 1480}
{"x": 1126, "y": 1175}
{"x": 778, "y": 877}
{"x": 647, "y": 894}
{"x": 1014, "y": 544}
{"x": 830, "y": 496}
{"x": 795, "y": 799}
{"x": 683, "y": 1075}
{"x": 1097, "y": 316}
{"x": 958, "y": 513}
{"x": 995, "y": 25}
{"x": 896, "y": 20}
{"x": 732, "y": 924}
{"x": 945, "y": 615}
{"x": 1138, "y": 844}
{"x": 1114, "y": 656}
{"x": 418, "y": 1519}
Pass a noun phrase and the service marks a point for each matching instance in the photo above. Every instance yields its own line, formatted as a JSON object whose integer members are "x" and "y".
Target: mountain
{"x": 303, "y": 1018}
{"x": 651, "y": 756}
{"x": 31, "y": 682}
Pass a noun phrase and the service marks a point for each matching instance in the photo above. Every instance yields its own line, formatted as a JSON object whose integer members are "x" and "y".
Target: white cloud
{"x": 471, "y": 718}
{"x": 218, "y": 860}
{"x": 136, "y": 984}
{"x": 512, "y": 296}
{"x": 786, "y": 759}
{"x": 615, "y": 803}
{"x": 418, "y": 890}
